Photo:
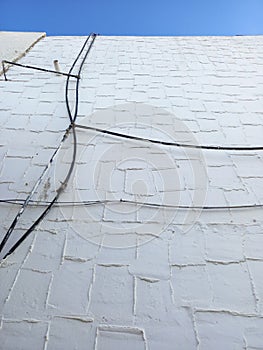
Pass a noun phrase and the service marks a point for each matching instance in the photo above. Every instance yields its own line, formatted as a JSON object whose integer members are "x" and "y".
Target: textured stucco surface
{"x": 14, "y": 45}
{"x": 111, "y": 276}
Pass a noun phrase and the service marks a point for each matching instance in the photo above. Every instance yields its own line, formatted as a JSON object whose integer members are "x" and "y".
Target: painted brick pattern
{"x": 117, "y": 275}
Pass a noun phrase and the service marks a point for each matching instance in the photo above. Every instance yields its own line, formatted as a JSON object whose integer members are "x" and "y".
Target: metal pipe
{"x": 56, "y": 65}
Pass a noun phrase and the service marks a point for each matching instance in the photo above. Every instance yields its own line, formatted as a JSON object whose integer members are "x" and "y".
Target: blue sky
{"x": 134, "y": 17}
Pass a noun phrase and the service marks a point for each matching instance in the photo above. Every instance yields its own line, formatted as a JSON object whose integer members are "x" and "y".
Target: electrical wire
{"x": 169, "y": 143}
{"x": 35, "y": 68}
{"x": 32, "y": 227}
{"x": 30, "y": 195}
{"x": 67, "y": 81}
{"x": 71, "y": 127}
{"x": 126, "y": 201}
{"x": 73, "y": 118}
{"x": 79, "y": 73}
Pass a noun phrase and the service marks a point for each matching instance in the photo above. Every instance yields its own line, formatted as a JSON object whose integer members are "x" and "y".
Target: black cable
{"x": 32, "y": 227}
{"x": 67, "y": 81}
{"x": 27, "y": 200}
{"x": 112, "y": 133}
{"x": 64, "y": 183}
{"x": 109, "y": 201}
{"x": 79, "y": 72}
{"x": 169, "y": 143}
{"x": 73, "y": 118}
{"x": 35, "y": 68}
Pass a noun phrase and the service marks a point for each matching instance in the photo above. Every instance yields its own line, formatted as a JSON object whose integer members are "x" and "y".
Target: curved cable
{"x": 73, "y": 118}
{"x": 79, "y": 72}
{"x": 68, "y": 77}
{"x": 169, "y": 143}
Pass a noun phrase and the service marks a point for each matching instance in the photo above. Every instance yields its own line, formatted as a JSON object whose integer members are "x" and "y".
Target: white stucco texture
{"x": 121, "y": 273}
{"x": 14, "y": 45}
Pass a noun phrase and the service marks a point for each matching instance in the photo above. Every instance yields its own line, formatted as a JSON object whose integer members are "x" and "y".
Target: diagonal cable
{"x": 64, "y": 183}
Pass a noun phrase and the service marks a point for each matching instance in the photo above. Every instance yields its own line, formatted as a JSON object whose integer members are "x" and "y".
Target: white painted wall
{"x": 117, "y": 275}
{"x": 14, "y": 45}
